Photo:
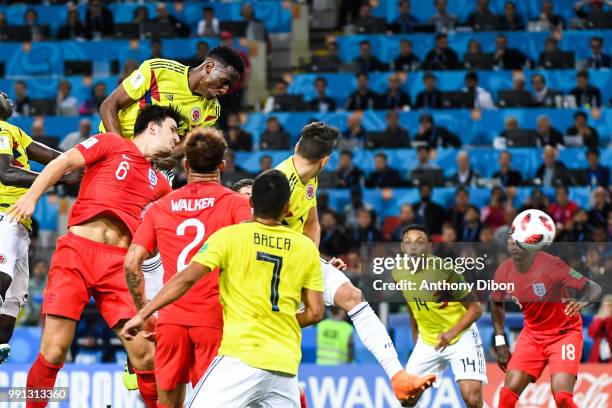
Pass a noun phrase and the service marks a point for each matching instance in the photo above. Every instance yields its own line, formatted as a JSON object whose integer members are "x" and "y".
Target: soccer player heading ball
{"x": 552, "y": 334}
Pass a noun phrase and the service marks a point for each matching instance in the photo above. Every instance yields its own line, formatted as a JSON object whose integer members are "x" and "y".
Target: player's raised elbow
{"x": 476, "y": 309}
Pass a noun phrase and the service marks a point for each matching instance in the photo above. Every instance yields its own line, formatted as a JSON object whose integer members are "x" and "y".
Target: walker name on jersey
{"x": 192, "y": 204}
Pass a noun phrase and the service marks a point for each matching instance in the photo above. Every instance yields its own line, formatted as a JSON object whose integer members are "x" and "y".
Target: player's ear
{"x": 210, "y": 65}
{"x": 324, "y": 161}
{"x": 251, "y": 202}
{"x": 286, "y": 209}
{"x": 222, "y": 165}
{"x": 296, "y": 147}
{"x": 186, "y": 165}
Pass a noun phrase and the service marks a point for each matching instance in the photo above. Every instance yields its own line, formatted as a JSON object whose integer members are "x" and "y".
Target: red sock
{"x": 507, "y": 398}
{"x": 303, "y": 403}
{"x": 564, "y": 399}
{"x": 147, "y": 387}
{"x": 42, "y": 374}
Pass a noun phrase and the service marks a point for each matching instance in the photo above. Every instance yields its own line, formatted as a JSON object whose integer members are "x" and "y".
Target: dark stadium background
{"x": 529, "y": 77}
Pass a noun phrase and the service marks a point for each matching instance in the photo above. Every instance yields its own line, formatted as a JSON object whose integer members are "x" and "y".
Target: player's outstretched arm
{"x": 314, "y": 308}
{"x": 109, "y": 110}
{"x": 472, "y": 313}
{"x": 176, "y": 287}
{"x": 312, "y": 228}
{"x": 134, "y": 275}
{"x": 590, "y": 293}
{"x": 498, "y": 315}
{"x": 51, "y": 174}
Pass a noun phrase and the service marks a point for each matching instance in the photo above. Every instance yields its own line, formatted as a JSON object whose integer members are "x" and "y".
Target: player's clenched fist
{"x": 22, "y": 209}
{"x": 503, "y": 356}
{"x": 132, "y": 327}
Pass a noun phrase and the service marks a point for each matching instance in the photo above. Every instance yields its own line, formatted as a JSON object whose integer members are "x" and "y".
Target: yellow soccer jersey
{"x": 433, "y": 316}
{"x": 303, "y": 196}
{"x": 164, "y": 82}
{"x": 263, "y": 270}
{"x": 14, "y": 141}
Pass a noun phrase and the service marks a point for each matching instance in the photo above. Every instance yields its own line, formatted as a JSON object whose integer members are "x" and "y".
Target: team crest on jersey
{"x": 2, "y": 259}
{"x": 310, "y": 192}
{"x": 152, "y": 177}
{"x": 539, "y": 289}
{"x": 4, "y": 142}
{"x": 196, "y": 113}
{"x": 169, "y": 97}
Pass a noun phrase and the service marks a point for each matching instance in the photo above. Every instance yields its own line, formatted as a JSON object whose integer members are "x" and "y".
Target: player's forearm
{"x": 473, "y": 313}
{"x": 313, "y": 231}
{"x": 134, "y": 277}
{"x": 591, "y": 293}
{"x": 41, "y": 153}
{"x": 308, "y": 317}
{"x": 109, "y": 113}
{"x": 498, "y": 315}
{"x": 18, "y": 177}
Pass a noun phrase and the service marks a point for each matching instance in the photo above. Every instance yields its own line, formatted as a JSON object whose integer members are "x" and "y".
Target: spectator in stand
{"x": 474, "y": 49}
{"x": 383, "y": 175}
{"x": 441, "y": 57}
{"x": 406, "y": 218}
{"x": 208, "y": 26}
{"x": 483, "y": 18}
{"x": 329, "y": 61}
{"x": 99, "y": 20}
{"x": 232, "y": 173}
{"x": 3, "y": 36}
{"x": 511, "y": 20}
{"x": 598, "y": 58}
{"x": 406, "y": 61}
{"x": 549, "y": 58}
{"x": 435, "y": 136}
{"x": 590, "y": 135}
{"x": 202, "y": 49}
{"x": 394, "y": 136}
{"x": 404, "y": 23}
{"x": 547, "y": 16}
{"x": 431, "y": 97}
{"x": 449, "y": 234}
{"x": 507, "y": 176}
{"x": 576, "y": 229}
{"x": 600, "y": 207}
{"x": 493, "y": 214}
{"x": 547, "y": 135}
{"x": 586, "y": 95}
{"x": 442, "y": 19}
{"x": 38, "y": 128}
{"x": 363, "y": 98}
{"x": 552, "y": 172}
{"x": 500, "y": 236}
{"x": 165, "y": 24}
{"x": 66, "y": 104}
{"x": 597, "y": 175}
{"x": 518, "y": 82}
{"x": 21, "y": 100}
{"x": 280, "y": 89}
{"x": 470, "y": 228}
{"x": 334, "y": 240}
{"x": 600, "y": 331}
{"x": 366, "y": 23}
{"x": 365, "y": 231}
{"x": 130, "y": 66}
{"x": 30, "y": 19}
{"x": 542, "y": 95}
{"x": 466, "y": 175}
{"x": 596, "y": 9}
{"x": 141, "y": 19}
{"x": 73, "y": 29}
{"x": 460, "y": 207}
{"x": 348, "y": 175}
{"x": 275, "y": 137}
{"x": 353, "y": 137}
{"x": 36, "y": 286}
{"x": 237, "y": 138}
{"x": 427, "y": 212}
{"x": 424, "y": 161}
{"x": 356, "y": 204}
{"x": 348, "y": 12}
{"x": 482, "y": 98}
{"x": 366, "y": 62}
{"x": 256, "y": 29}
{"x": 265, "y": 163}
{"x": 395, "y": 98}
{"x": 92, "y": 105}
{"x": 322, "y": 102}
{"x": 156, "y": 49}
{"x": 563, "y": 209}
{"x": 510, "y": 124}
{"x": 508, "y": 58}
{"x": 74, "y": 138}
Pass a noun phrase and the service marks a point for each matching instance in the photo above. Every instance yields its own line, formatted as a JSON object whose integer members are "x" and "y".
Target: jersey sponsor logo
{"x": 89, "y": 142}
{"x": 310, "y": 192}
{"x": 4, "y": 142}
{"x": 137, "y": 79}
{"x": 2, "y": 259}
{"x": 152, "y": 177}
{"x": 539, "y": 289}
{"x": 196, "y": 114}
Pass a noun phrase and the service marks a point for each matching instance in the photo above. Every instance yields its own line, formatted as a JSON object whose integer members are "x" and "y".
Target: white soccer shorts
{"x": 153, "y": 270}
{"x": 466, "y": 358}
{"x": 229, "y": 383}
{"x": 14, "y": 247}
{"x": 332, "y": 280}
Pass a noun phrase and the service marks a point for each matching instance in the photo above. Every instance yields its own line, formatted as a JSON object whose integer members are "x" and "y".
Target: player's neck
{"x": 524, "y": 263}
{"x": 143, "y": 145}
{"x": 193, "y": 79}
{"x": 204, "y": 177}
{"x": 305, "y": 169}
{"x": 267, "y": 221}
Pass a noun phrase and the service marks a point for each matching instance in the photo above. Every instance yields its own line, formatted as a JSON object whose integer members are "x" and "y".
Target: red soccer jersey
{"x": 178, "y": 225}
{"x": 539, "y": 291}
{"x": 118, "y": 179}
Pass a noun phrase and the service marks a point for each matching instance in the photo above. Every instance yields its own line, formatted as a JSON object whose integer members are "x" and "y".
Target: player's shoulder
{"x": 286, "y": 166}
{"x": 166, "y": 64}
{"x": 547, "y": 258}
